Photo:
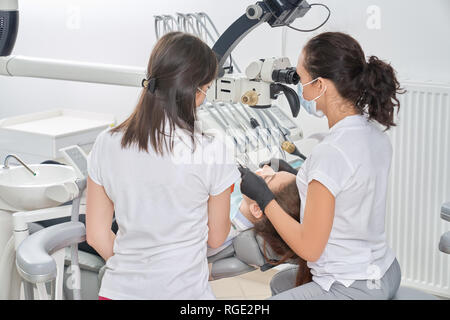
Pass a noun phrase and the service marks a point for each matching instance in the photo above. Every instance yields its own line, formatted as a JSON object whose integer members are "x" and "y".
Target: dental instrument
{"x": 251, "y": 113}
{"x": 242, "y": 145}
{"x": 225, "y": 127}
{"x": 291, "y": 148}
{"x": 274, "y": 136}
{"x": 240, "y": 127}
{"x": 245, "y": 124}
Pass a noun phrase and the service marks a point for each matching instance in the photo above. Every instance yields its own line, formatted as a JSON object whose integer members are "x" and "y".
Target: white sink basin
{"x": 21, "y": 191}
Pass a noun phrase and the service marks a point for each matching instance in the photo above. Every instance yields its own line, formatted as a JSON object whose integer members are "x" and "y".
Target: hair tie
{"x": 150, "y": 84}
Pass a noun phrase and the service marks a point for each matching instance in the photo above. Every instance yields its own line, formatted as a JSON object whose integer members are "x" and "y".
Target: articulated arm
{"x": 20, "y": 66}
{"x": 276, "y": 12}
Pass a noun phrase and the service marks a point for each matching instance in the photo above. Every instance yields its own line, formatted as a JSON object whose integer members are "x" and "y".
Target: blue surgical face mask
{"x": 310, "y": 105}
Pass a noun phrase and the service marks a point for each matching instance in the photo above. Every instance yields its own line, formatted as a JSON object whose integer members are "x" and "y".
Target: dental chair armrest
{"x": 33, "y": 257}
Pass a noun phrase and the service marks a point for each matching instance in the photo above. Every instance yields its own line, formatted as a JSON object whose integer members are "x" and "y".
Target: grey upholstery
{"x": 445, "y": 211}
{"x": 33, "y": 259}
{"x": 229, "y": 267}
{"x": 282, "y": 279}
{"x": 406, "y": 293}
{"x": 225, "y": 253}
{"x": 444, "y": 243}
{"x": 34, "y": 227}
{"x": 90, "y": 267}
{"x": 247, "y": 249}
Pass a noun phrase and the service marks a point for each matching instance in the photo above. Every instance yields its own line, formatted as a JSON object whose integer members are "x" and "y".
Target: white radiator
{"x": 420, "y": 184}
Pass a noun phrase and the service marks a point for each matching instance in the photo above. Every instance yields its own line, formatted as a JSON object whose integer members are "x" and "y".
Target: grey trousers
{"x": 282, "y": 286}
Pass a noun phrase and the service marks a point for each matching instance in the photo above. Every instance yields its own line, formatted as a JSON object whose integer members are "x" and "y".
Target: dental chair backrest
{"x": 244, "y": 255}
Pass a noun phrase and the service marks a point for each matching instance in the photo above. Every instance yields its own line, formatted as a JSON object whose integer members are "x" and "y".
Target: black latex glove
{"x": 254, "y": 187}
{"x": 279, "y": 165}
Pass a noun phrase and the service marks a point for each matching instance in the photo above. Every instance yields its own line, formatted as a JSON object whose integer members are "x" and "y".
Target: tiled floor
{"x": 249, "y": 286}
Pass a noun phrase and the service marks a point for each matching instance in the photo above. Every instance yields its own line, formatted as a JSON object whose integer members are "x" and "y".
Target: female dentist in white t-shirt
{"x": 168, "y": 184}
{"x": 343, "y": 183}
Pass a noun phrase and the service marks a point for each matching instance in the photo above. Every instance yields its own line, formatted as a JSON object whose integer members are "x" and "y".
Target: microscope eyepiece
{"x": 286, "y": 76}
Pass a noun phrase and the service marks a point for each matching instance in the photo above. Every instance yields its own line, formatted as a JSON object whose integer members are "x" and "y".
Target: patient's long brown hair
{"x": 180, "y": 63}
{"x": 289, "y": 199}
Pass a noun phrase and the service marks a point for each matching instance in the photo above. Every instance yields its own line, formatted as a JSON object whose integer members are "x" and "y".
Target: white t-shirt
{"x": 161, "y": 209}
{"x": 353, "y": 162}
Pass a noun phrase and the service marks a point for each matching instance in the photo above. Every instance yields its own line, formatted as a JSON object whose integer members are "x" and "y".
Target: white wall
{"x": 414, "y": 37}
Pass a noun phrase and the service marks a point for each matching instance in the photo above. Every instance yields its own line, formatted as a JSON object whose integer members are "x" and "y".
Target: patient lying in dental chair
{"x": 248, "y": 216}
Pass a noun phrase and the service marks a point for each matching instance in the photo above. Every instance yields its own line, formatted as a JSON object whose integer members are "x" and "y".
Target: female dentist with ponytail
{"x": 343, "y": 184}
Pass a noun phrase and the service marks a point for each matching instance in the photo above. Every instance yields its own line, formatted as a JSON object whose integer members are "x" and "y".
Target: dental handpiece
{"x": 277, "y": 128}
{"x": 241, "y": 143}
{"x": 289, "y": 147}
{"x": 245, "y": 127}
{"x": 238, "y": 124}
{"x": 255, "y": 126}
{"x": 225, "y": 126}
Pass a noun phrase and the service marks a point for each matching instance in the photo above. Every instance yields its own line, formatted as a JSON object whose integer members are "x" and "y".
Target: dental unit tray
{"x": 223, "y": 116}
{"x": 39, "y": 136}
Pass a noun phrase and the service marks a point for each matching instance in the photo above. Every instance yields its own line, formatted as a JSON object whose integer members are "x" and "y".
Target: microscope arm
{"x": 276, "y": 12}
{"x": 233, "y": 36}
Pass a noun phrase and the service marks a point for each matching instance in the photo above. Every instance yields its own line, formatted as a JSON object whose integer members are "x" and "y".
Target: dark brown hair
{"x": 288, "y": 198}
{"x": 371, "y": 86}
{"x": 180, "y": 63}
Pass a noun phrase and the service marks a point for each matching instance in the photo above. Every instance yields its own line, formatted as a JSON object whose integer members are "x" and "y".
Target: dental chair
{"x": 38, "y": 269}
{"x": 36, "y": 265}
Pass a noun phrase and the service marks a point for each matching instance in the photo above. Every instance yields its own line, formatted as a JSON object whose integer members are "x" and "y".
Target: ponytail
{"x": 372, "y": 86}
{"x": 379, "y": 97}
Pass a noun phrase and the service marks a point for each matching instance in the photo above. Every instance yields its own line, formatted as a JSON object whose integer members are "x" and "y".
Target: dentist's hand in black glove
{"x": 254, "y": 187}
{"x": 279, "y": 165}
